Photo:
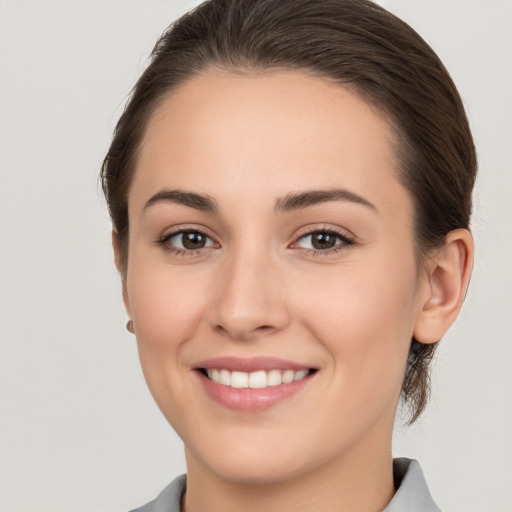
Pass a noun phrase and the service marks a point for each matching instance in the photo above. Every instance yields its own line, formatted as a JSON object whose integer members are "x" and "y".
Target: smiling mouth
{"x": 254, "y": 380}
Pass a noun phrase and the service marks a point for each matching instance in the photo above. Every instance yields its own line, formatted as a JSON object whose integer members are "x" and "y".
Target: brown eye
{"x": 193, "y": 240}
{"x": 323, "y": 241}
{"x": 188, "y": 241}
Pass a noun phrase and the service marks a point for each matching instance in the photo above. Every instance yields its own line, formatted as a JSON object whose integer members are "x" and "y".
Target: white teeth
{"x": 300, "y": 375}
{"x": 255, "y": 380}
{"x": 258, "y": 379}
{"x": 225, "y": 377}
{"x": 274, "y": 378}
{"x": 288, "y": 376}
{"x": 239, "y": 380}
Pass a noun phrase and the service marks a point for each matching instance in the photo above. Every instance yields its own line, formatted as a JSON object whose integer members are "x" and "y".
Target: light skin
{"x": 253, "y": 164}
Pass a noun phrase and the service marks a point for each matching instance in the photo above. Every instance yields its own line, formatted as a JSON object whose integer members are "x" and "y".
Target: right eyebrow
{"x": 201, "y": 202}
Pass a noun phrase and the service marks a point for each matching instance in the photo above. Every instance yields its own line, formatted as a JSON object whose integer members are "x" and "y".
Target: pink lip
{"x": 237, "y": 364}
{"x": 251, "y": 399}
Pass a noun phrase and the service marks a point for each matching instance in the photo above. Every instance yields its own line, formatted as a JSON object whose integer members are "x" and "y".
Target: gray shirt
{"x": 412, "y": 493}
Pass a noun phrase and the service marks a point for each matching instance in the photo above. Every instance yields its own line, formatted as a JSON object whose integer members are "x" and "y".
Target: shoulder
{"x": 412, "y": 492}
{"x": 169, "y": 500}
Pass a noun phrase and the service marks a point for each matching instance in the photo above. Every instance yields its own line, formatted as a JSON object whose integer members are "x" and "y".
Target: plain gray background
{"x": 79, "y": 430}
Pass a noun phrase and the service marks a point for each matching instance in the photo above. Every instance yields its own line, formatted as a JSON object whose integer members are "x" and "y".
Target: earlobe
{"x": 118, "y": 260}
{"x": 447, "y": 279}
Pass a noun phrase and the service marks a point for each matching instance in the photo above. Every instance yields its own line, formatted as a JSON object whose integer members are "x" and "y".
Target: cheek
{"x": 167, "y": 308}
{"x": 166, "y": 305}
{"x": 365, "y": 318}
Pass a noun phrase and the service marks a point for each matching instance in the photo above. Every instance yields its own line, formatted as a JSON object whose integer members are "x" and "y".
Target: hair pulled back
{"x": 355, "y": 43}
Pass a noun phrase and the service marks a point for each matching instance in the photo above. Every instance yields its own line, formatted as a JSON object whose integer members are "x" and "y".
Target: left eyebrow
{"x": 300, "y": 200}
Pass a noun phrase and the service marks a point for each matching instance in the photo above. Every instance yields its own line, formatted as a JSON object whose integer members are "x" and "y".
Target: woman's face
{"x": 270, "y": 240}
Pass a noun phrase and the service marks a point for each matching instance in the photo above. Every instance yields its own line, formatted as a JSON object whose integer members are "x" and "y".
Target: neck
{"x": 356, "y": 482}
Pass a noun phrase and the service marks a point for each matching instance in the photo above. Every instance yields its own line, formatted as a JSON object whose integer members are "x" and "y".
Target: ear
{"x": 121, "y": 267}
{"x": 446, "y": 282}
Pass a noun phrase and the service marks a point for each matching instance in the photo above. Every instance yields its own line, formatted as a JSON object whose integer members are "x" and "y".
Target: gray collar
{"x": 411, "y": 489}
{"x": 412, "y": 492}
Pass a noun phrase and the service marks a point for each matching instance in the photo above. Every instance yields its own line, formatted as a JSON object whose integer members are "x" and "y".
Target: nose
{"x": 251, "y": 297}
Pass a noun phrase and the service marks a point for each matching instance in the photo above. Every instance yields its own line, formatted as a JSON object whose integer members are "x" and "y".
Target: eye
{"x": 323, "y": 241}
{"x": 186, "y": 241}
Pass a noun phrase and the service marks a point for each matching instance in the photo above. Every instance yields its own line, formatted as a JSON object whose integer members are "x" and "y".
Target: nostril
{"x": 264, "y": 329}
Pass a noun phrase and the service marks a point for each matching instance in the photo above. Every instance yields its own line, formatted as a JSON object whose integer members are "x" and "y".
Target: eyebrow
{"x": 301, "y": 200}
{"x": 291, "y": 202}
{"x": 201, "y": 202}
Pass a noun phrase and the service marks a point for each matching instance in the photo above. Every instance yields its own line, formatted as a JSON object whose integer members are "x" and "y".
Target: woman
{"x": 290, "y": 190}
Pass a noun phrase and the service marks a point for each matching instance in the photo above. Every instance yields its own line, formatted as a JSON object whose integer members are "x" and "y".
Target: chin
{"x": 250, "y": 463}
{"x": 259, "y": 471}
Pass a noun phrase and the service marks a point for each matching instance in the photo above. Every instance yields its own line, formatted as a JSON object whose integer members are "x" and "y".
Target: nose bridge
{"x": 251, "y": 297}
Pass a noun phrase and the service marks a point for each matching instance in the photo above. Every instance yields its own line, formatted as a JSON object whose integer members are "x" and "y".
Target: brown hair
{"x": 355, "y": 43}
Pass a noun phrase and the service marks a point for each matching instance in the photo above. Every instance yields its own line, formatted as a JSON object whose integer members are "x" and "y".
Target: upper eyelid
{"x": 186, "y": 229}
{"x": 343, "y": 233}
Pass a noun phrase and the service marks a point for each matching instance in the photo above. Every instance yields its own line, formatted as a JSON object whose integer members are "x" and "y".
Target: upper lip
{"x": 252, "y": 364}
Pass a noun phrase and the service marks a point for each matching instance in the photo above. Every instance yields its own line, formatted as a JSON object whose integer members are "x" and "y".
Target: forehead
{"x": 268, "y": 133}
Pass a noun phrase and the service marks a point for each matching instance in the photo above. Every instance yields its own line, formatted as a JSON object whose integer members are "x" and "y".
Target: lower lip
{"x": 251, "y": 399}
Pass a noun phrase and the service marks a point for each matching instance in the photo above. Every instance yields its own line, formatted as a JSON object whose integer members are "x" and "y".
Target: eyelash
{"x": 345, "y": 242}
